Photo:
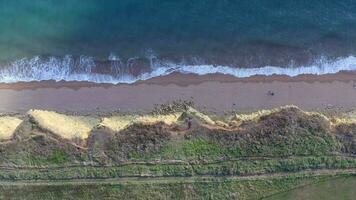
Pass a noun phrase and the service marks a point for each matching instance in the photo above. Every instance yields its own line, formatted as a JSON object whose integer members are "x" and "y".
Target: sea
{"x": 124, "y": 41}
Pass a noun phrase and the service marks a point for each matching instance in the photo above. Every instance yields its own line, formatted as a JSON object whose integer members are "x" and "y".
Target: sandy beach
{"x": 215, "y": 93}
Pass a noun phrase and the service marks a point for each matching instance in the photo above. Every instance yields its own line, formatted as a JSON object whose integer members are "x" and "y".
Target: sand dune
{"x": 118, "y": 123}
{"x": 66, "y": 126}
{"x": 8, "y": 126}
{"x": 75, "y": 127}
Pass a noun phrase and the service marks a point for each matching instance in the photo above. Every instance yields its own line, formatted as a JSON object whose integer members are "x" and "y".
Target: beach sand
{"x": 216, "y": 93}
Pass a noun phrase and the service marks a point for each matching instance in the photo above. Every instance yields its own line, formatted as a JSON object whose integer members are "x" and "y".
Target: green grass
{"x": 147, "y": 189}
{"x": 145, "y": 162}
{"x": 223, "y": 168}
{"x": 58, "y": 157}
{"x": 204, "y": 149}
{"x": 336, "y": 188}
{"x": 54, "y": 157}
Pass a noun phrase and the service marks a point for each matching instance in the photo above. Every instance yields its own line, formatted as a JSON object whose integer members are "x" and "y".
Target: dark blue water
{"x": 238, "y": 34}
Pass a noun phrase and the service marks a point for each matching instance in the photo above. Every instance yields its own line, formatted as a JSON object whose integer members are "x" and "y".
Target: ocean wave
{"x": 81, "y": 69}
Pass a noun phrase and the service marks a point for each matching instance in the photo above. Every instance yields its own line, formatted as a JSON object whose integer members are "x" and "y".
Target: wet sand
{"x": 216, "y": 93}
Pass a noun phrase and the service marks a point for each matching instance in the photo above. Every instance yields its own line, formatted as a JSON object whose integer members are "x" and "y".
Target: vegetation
{"x": 159, "y": 189}
{"x": 335, "y": 188}
{"x": 163, "y": 155}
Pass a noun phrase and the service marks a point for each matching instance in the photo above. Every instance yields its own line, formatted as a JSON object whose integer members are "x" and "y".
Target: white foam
{"x": 69, "y": 69}
{"x": 320, "y": 67}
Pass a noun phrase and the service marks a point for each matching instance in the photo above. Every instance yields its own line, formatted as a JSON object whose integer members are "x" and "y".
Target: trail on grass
{"x": 173, "y": 179}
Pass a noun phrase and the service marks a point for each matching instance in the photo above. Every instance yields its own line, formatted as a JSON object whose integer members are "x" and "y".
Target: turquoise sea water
{"x": 232, "y": 33}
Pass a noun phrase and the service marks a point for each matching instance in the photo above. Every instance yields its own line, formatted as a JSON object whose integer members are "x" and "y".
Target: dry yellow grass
{"x": 167, "y": 119}
{"x": 346, "y": 118}
{"x": 260, "y": 113}
{"x": 337, "y": 121}
{"x": 66, "y": 126}
{"x": 8, "y": 126}
{"x": 72, "y": 127}
{"x": 200, "y": 116}
{"x": 118, "y": 123}
{"x": 252, "y": 116}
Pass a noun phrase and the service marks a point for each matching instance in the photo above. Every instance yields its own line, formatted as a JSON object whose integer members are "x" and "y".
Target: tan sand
{"x": 213, "y": 93}
{"x": 66, "y": 126}
{"x": 118, "y": 123}
{"x": 193, "y": 113}
{"x": 8, "y": 126}
{"x": 74, "y": 127}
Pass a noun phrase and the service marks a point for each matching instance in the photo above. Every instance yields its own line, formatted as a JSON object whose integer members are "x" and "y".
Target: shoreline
{"x": 184, "y": 80}
{"x": 216, "y": 93}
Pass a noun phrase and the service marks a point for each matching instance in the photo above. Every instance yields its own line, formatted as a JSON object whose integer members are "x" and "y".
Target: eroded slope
{"x": 186, "y": 135}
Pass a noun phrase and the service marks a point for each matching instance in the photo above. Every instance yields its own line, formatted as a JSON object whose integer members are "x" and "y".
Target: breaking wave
{"x": 115, "y": 71}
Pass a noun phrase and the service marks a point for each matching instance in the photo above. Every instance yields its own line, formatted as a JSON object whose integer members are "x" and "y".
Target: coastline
{"x": 216, "y": 93}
